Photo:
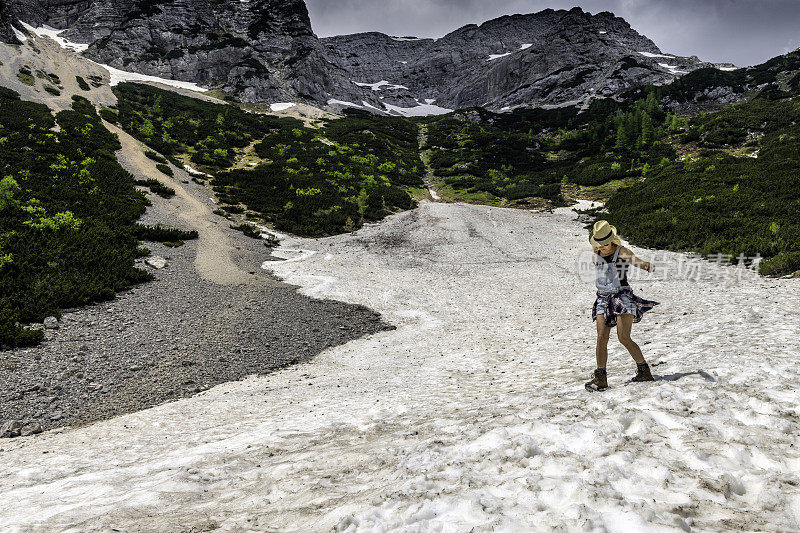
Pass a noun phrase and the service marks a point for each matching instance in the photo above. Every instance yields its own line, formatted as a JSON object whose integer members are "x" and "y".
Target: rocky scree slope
{"x": 550, "y": 57}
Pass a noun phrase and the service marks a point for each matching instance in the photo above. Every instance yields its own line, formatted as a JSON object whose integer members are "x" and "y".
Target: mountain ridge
{"x": 266, "y": 51}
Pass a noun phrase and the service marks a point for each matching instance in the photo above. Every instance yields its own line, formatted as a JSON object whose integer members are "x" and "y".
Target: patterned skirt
{"x": 618, "y": 303}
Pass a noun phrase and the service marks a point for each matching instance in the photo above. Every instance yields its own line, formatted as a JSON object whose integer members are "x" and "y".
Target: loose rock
{"x": 31, "y": 429}
{"x": 156, "y": 262}
{"x": 11, "y": 429}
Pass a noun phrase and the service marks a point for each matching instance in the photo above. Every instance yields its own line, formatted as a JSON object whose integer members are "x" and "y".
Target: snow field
{"x": 471, "y": 414}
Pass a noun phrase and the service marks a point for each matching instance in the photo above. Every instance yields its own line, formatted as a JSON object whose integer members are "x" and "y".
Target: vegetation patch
{"x": 26, "y": 76}
{"x": 157, "y": 187}
{"x": 67, "y": 215}
{"x": 249, "y": 230}
{"x": 311, "y": 182}
{"x": 82, "y": 84}
{"x": 162, "y": 233}
{"x": 155, "y": 157}
{"x": 165, "y": 169}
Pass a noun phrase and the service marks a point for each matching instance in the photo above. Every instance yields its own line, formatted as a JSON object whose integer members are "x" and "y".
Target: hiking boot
{"x": 643, "y": 372}
{"x": 599, "y": 381}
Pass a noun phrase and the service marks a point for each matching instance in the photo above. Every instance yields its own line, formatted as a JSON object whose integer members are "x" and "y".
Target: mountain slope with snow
{"x": 550, "y": 57}
{"x": 266, "y": 51}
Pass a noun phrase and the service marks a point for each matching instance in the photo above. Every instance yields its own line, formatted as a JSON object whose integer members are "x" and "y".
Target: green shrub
{"x": 82, "y": 83}
{"x": 249, "y": 230}
{"x": 162, "y": 233}
{"x": 109, "y": 116}
{"x": 67, "y": 213}
{"x": 155, "y": 157}
{"x": 157, "y": 187}
{"x": 165, "y": 169}
{"x": 783, "y": 263}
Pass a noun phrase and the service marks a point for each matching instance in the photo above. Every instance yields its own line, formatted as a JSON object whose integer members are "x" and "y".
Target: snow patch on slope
{"x": 281, "y": 106}
{"x": 21, "y": 36}
{"x": 650, "y": 54}
{"x": 55, "y": 34}
{"x": 471, "y": 415}
{"x": 672, "y": 68}
{"x": 421, "y": 110}
{"x": 119, "y": 76}
{"x": 383, "y": 84}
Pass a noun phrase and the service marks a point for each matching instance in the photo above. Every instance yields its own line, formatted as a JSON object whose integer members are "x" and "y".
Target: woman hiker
{"x": 616, "y": 305}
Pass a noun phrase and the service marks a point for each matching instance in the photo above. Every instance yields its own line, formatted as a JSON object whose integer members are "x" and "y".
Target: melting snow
{"x": 648, "y": 54}
{"x": 471, "y": 414}
{"x": 333, "y": 101}
{"x": 603, "y": 32}
{"x": 119, "y": 76}
{"x": 673, "y": 69}
{"x": 367, "y": 104}
{"x": 727, "y": 69}
{"x": 492, "y": 57}
{"x": 53, "y": 33}
{"x": 194, "y": 172}
{"x": 406, "y": 39}
{"x": 430, "y": 100}
{"x": 421, "y": 110}
{"x": 281, "y": 106}
{"x": 377, "y": 86}
{"x": 525, "y": 46}
{"x": 21, "y": 36}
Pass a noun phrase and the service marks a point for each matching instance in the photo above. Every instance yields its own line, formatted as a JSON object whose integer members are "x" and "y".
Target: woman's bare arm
{"x": 630, "y": 257}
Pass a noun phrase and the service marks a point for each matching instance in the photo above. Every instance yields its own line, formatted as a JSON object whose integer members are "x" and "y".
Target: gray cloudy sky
{"x": 744, "y": 32}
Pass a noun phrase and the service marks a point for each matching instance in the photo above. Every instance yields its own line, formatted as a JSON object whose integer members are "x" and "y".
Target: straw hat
{"x": 603, "y": 234}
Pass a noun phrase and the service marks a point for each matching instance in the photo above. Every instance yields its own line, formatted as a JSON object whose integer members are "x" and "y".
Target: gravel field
{"x": 208, "y": 318}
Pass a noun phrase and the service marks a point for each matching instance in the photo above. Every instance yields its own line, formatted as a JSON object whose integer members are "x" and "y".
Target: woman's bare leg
{"x": 624, "y": 325}
{"x": 603, "y": 332}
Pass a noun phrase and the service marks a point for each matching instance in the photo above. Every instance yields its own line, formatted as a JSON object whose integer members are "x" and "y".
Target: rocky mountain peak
{"x": 265, "y": 50}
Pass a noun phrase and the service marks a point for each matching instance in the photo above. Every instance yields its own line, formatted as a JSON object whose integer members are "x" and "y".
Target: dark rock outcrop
{"x": 550, "y": 57}
{"x": 6, "y": 18}
{"x": 256, "y": 50}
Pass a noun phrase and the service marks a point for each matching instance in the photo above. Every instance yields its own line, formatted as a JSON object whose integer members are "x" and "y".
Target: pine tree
{"x": 648, "y": 132}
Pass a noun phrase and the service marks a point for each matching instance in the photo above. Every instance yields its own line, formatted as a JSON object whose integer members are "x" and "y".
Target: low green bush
{"x": 165, "y": 169}
{"x": 162, "y": 233}
{"x": 155, "y": 157}
{"x": 82, "y": 83}
{"x": 157, "y": 187}
{"x": 782, "y": 263}
{"x": 249, "y": 230}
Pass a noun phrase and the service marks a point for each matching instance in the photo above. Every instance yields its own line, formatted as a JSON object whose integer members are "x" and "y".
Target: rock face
{"x": 6, "y": 18}
{"x": 265, "y": 50}
{"x": 256, "y": 50}
{"x": 550, "y": 57}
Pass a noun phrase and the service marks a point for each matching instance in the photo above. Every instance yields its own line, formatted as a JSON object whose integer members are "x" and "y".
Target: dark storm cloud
{"x": 738, "y": 31}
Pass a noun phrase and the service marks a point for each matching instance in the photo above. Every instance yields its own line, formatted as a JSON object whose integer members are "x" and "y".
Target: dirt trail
{"x": 214, "y": 249}
{"x": 429, "y": 178}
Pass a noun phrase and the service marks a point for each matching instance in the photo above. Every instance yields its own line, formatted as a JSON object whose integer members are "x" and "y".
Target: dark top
{"x": 622, "y": 268}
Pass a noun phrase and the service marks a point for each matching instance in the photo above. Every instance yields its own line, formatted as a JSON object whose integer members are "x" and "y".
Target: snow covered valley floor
{"x": 470, "y": 416}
